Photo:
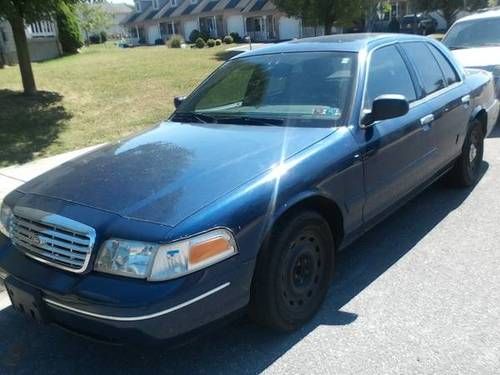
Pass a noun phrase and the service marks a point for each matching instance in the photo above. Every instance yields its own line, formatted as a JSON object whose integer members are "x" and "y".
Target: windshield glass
{"x": 472, "y": 34}
{"x": 288, "y": 86}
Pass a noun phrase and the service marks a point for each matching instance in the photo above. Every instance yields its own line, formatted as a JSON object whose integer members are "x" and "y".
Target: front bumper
{"x": 122, "y": 310}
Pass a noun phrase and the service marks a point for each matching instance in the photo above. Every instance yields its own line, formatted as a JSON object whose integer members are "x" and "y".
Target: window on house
{"x": 3, "y": 34}
{"x": 155, "y": 4}
{"x": 194, "y": 1}
{"x": 173, "y": 3}
{"x": 138, "y": 6}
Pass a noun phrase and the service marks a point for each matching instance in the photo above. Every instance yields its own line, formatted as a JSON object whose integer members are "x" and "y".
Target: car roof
{"x": 495, "y": 13}
{"x": 338, "y": 42}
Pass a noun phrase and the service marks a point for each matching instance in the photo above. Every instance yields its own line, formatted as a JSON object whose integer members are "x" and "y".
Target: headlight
{"x": 157, "y": 262}
{"x": 6, "y": 219}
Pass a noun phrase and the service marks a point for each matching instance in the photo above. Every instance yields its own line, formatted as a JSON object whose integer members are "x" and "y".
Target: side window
{"x": 388, "y": 74}
{"x": 426, "y": 65}
{"x": 450, "y": 74}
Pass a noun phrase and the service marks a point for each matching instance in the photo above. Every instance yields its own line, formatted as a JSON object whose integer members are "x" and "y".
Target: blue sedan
{"x": 240, "y": 201}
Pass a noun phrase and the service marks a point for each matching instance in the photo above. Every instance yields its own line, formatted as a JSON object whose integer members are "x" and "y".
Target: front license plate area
{"x": 25, "y": 299}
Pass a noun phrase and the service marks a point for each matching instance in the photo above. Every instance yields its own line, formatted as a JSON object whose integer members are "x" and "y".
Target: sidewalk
{"x": 16, "y": 175}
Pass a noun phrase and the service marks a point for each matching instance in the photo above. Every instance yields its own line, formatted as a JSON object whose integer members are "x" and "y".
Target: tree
{"x": 449, "y": 8}
{"x": 92, "y": 18}
{"x": 19, "y": 13}
{"x": 322, "y": 12}
{"x": 67, "y": 25}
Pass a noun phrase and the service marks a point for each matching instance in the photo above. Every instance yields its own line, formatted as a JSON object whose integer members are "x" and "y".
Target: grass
{"x": 99, "y": 95}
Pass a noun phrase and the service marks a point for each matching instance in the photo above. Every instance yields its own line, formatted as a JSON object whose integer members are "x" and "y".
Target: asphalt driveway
{"x": 420, "y": 293}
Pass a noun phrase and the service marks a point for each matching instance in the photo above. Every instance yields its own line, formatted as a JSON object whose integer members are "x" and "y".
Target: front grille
{"x": 53, "y": 239}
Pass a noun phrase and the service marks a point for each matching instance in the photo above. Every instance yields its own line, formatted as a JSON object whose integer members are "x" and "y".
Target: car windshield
{"x": 313, "y": 89}
{"x": 473, "y": 34}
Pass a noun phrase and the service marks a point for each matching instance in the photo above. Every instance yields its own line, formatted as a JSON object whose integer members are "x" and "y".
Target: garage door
{"x": 289, "y": 28}
{"x": 235, "y": 25}
{"x": 189, "y": 26}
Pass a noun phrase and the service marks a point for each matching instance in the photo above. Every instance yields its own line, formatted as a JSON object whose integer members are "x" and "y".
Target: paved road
{"x": 420, "y": 293}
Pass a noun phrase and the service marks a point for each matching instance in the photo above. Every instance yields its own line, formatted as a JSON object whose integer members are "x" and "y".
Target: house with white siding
{"x": 259, "y": 19}
{"x": 43, "y": 42}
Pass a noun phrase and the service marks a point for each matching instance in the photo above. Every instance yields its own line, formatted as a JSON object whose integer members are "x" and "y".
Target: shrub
{"x": 104, "y": 36}
{"x": 195, "y": 34}
{"x": 200, "y": 43}
{"x": 159, "y": 42}
{"x": 94, "y": 39}
{"x": 175, "y": 41}
{"x": 218, "y": 42}
{"x": 69, "y": 33}
{"x": 211, "y": 43}
{"x": 236, "y": 37}
{"x": 228, "y": 39}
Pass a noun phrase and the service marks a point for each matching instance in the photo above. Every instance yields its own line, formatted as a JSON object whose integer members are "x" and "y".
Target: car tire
{"x": 293, "y": 272}
{"x": 467, "y": 168}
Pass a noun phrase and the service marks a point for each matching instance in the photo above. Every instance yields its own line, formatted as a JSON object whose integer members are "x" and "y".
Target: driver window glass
{"x": 388, "y": 74}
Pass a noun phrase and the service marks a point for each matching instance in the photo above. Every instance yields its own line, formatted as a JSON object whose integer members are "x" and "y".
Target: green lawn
{"x": 99, "y": 95}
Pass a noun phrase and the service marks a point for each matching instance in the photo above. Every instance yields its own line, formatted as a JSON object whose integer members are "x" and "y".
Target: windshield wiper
{"x": 193, "y": 117}
{"x": 249, "y": 120}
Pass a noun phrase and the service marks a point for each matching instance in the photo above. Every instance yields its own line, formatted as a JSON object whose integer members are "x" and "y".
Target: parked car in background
{"x": 424, "y": 24}
{"x": 282, "y": 157}
{"x": 475, "y": 42}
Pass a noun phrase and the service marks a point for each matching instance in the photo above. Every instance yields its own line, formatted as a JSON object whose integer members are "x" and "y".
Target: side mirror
{"x": 178, "y": 101}
{"x": 385, "y": 107}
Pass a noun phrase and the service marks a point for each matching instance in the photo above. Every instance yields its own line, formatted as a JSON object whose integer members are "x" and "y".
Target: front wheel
{"x": 467, "y": 168}
{"x": 293, "y": 272}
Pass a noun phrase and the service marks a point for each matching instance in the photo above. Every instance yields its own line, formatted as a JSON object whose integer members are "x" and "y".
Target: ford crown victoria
{"x": 240, "y": 201}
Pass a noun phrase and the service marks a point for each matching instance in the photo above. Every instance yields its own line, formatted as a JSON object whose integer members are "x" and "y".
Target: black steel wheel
{"x": 293, "y": 272}
{"x": 467, "y": 168}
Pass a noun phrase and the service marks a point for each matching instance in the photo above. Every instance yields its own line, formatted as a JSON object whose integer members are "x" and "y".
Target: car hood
{"x": 166, "y": 174}
{"x": 478, "y": 57}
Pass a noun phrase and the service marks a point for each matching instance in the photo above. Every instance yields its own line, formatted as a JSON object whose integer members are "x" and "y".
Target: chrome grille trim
{"x": 52, "y": 239}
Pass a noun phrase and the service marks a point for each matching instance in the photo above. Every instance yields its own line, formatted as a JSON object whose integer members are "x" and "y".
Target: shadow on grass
{"x": 226, "y": 55}
{"x": 28, "y": 124}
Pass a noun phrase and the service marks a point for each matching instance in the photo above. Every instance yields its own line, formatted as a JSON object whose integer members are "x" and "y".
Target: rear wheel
{"x": 293, "y": 272}
{"x": 467, "y": 168}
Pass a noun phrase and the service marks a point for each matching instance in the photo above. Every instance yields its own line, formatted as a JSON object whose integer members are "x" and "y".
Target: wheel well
{"x": 482, "y": 117}
{"x": 326, "y": 208}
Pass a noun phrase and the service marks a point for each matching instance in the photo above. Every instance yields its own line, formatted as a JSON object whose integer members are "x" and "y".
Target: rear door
{"x": 445, "y": 96}
{"x": 397, "y": 151}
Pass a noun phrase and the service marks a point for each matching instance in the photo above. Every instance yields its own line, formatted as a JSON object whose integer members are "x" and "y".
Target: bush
{"x": 211, "y": 43}
{"x": 104, "y": 36}
{"x": 69, "y": 33}
{"x": 236, "y": 37}
{"x": 159, "y": 42}
{"x": 195, "y": 34}
{"x": 94, "y": 39}
{"x": 218, "y": 42}
{"x": 175, "y": 41}
{"x": 200, "y": 43}
{"x": 228, "y": 39}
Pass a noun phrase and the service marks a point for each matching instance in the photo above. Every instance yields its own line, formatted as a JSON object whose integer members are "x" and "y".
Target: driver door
{"x": 397, "y": 151}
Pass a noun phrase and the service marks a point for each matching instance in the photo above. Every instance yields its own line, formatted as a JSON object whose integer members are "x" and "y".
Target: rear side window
{"x": 450, "y": 74}
{"x": 388, "y": 74}
{"x": 426, "y": 65}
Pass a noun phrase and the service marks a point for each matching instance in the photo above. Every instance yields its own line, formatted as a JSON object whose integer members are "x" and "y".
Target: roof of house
{"x": 259, "y": 5}
{"x": 115, "y": 8}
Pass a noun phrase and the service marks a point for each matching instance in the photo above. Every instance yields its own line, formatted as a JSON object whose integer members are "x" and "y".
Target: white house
{"x": 43, "y": 42}
{"x": 159, "y": 19}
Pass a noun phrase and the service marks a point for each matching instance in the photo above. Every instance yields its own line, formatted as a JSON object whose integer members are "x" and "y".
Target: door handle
{"x": 426, "y": 120}
{"x": 466, "y": 99}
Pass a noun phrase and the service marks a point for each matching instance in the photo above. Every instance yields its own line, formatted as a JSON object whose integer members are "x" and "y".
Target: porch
{"x": 261, "y": 28}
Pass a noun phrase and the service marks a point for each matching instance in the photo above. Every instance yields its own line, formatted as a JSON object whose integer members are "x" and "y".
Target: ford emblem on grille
{"x": 35, "y": 239}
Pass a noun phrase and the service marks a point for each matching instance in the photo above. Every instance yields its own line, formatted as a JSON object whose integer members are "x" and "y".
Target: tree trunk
{"x": 328, "y": 26}
{"x": 23, "y": 54}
